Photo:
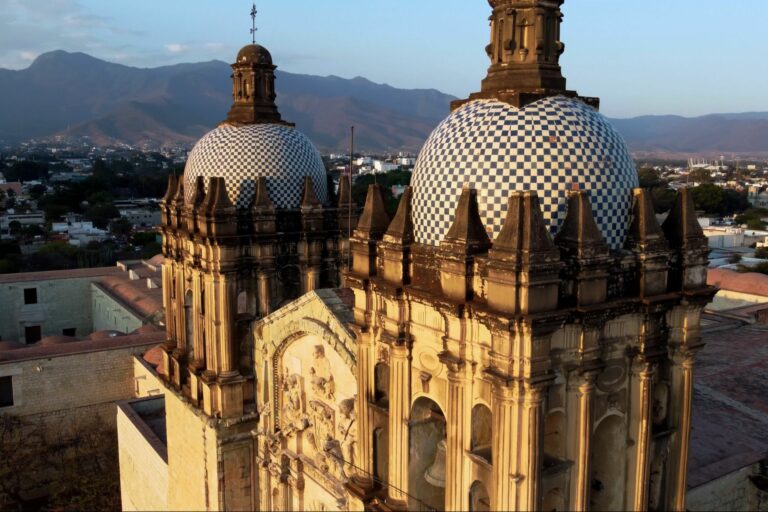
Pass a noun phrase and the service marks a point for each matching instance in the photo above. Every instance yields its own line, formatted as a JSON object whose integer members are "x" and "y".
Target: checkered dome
{"x": 551, "y": 146}
{"x": 241, "y": 154}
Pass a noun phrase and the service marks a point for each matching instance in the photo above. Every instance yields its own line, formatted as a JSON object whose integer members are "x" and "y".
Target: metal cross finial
{"x": 254, "y": 12}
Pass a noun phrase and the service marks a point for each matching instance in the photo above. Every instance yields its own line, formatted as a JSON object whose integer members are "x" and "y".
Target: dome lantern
{"x": 524, "y": 50}
{"x": 253, "y": 84}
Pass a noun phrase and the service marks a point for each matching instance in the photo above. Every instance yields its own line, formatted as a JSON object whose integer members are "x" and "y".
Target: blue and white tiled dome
{"x": 241, "y": 154}
{"x": 551, "y": 146}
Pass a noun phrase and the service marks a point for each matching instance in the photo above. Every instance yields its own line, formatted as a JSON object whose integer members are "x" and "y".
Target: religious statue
{"x": 348, "y": 430}
{"x": 320, "y": 375}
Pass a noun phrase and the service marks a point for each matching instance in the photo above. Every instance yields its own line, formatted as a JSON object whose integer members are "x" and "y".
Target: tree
{"x": 120, "y": 227}
{"x": 762, "y": 253}
{"x": 700, "y": 176}
{"x": 37, "y": 191}
{"x": 14, "y": 227}
{"x": 649, "y": 177}
{"x": 102, "y": 214}
{"x": 709, "y": 198}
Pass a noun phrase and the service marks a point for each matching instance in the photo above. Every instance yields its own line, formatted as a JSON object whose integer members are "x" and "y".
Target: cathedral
{"x": 521, "y": 335}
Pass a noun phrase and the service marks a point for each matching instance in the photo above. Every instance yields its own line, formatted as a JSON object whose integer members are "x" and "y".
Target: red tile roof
{"x": 751, "y": 283}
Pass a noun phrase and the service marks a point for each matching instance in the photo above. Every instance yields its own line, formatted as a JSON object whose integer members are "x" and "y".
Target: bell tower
{"x": 525, "y": 50}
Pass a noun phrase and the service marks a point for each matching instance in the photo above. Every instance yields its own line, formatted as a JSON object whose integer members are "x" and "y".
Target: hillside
{"x": 76, "y": 95}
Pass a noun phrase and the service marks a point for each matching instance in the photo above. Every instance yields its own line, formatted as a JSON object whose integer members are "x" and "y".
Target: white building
{"x": 381, "y": 166}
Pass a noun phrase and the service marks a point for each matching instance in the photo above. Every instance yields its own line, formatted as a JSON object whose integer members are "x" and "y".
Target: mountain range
{"x": 74, "y": 94}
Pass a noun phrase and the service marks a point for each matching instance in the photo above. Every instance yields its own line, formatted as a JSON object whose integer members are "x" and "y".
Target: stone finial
{"x": 374, "y": 220}
{"x": 261, "y": 200}
{"x": 217, "y": 198}
{"x": 309, "y": 196}
{"x": 524, "y": 264}
{"x": 646, "y": 240}
{"x": 584, "y": 252}
{"x": 173, "y": 187}
{"x": 467, "y": 234}
{"x": 682, "y": 224}
{"x": 579, "y": 231}
{"x": 524, "y": 229}
{"x": 394, "y": 250}
{"x": 198, "y": 195}
{"x": 178, "y": 198}
{"x": 166, "y": 204}
{"x": 645, "y": 229}
{"x": 401, "y": 228}
{"x": 689, "y": 245}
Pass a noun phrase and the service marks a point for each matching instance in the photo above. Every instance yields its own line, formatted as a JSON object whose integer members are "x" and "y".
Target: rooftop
{"x": 730, "y": 406}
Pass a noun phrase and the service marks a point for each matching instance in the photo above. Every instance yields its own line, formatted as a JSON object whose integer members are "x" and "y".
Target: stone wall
{"x": 61, "y": 304}
{"x": 143, "y": 471}
{"x": 192, "y": 461}
{"x": 733, "y": 492}
{"x": 73, "y": 386}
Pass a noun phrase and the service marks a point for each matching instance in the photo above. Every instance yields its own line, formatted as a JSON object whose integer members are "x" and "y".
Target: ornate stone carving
{"x": 294, "y": 414}
{"x": 323, "y": 424}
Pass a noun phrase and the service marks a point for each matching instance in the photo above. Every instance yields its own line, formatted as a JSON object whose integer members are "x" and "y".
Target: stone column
{"x": 365, "y": 391}
{"x": 399, "y": 412}
{"x": 680, "y": 406}
{"x": 644, "y": 420}
{"x": 225, "y": 331}
{"x": 265, "y": 294}
{"x": 199, "y": 327}
{"x": 583, "y": 438}
{"x": 503, "y": 449}
{"x": 211, "y": 291}
{"x": 458, "y": 436}
{"x": 167, "y": 299}
{"x": 531, "y": 449}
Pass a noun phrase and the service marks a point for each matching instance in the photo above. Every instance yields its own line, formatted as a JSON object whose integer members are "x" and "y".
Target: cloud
{"x": 176, "y": 47}
{"x": 28, "y": 56}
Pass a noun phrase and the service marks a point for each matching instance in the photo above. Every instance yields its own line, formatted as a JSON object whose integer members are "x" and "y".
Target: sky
{"x": 685, "y": 57}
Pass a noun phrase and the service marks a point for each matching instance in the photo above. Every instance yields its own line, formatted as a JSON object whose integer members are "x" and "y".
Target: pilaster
{"x": 458, "y": 435}
{"x": 531, "y": 449}
{"x": 640, "y": 428}
{"x": 581, "y": 431}
{"x": 365, "y": 394}
{"x": 399, "y": 411}
{"x": 505, "y": 469}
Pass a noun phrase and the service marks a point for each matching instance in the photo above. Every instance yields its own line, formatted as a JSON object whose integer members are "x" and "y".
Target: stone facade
{"x": 575, "y": 362}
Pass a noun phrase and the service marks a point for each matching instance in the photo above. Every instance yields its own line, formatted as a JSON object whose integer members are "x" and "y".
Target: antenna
{"x": 254, "y": 12}
{"x": 349, "y": 219}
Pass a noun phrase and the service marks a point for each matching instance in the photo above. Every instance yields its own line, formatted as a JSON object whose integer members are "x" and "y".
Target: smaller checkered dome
{"x": 550, "y": 146}
{"x": 243, "y": 153}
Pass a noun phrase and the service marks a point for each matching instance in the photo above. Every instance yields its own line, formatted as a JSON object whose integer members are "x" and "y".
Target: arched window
{"x": 609, "y": 445}
{"x": 426, "y": 464}
{"x": 482, "y": 428}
